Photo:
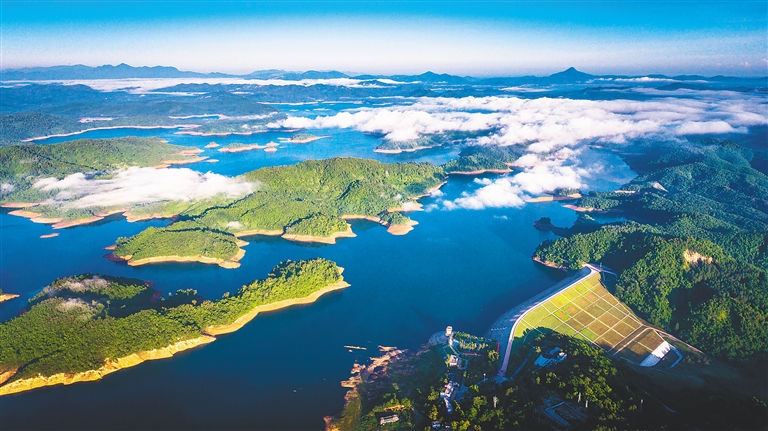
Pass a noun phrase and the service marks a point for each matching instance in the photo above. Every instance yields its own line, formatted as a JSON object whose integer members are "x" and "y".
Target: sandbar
{"x": 7, "y": 296}
{"x": 35, "y": 217}
{"x": 402, "y": 229}
{"x": 212, "y": 145}
{"x": 50, "y": 235}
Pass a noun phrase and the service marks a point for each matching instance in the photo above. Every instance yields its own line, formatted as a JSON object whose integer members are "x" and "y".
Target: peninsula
{"x": 303, "y": 202}
{"x": 84, "y": 327}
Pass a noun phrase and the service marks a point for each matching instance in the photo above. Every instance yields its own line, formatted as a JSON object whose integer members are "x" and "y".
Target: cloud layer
{"x": 512, "y": 191}
{"x": 551, "y": 129}
{"x": 545, "y": 124}
{"x": 142, "y": 185}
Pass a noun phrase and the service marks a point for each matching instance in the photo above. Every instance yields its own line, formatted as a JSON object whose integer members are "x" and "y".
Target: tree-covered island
{"x": 81, "y": 328}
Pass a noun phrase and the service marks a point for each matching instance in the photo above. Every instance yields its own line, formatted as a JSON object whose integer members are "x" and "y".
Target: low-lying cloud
{"x": 141, "y": 186}
{"x": 512, "y": 191}
{"x": 546, "y": 124}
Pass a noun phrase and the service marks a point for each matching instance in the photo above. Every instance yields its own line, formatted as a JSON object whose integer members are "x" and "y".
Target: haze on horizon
{"x": 480, "y": 39}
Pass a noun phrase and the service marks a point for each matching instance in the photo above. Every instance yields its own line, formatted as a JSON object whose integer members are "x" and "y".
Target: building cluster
{"x": 389, "y": 419}
{"x": 554, "y": 356}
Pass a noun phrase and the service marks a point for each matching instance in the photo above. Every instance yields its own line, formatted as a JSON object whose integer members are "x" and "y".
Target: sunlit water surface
{"x": 282, "y": 370}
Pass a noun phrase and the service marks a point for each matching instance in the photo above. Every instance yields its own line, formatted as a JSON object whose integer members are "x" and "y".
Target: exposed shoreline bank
{"x": 230, "y": 263}
{"x": 208, "y": 336}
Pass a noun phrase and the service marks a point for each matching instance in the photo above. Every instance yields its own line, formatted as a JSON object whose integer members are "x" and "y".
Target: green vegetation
{"x": 71, "y": 326}
{"x": 317, "y": 225}
{"x": 412, "y": 145}
{"x": 428, "y": 141}
{"x": 484, "y": 157}
{"x": 25, "y": 125}
{"x": 593, "y": 389}
{"x": 233, "y": 146}
{"x": 303, "y": 137}
{"x": 22, "y": 165}
{"x": 394, "y": 218}
{"x": 306, "y": 199}
{"x": 696, "y": 264}
{"x": 180, "y": 239}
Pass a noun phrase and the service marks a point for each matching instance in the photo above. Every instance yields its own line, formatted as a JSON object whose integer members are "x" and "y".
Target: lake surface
{"x": 282, "y": 370}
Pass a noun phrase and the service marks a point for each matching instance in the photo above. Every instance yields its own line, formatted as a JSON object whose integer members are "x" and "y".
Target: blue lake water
{"x": 282, "y": 370}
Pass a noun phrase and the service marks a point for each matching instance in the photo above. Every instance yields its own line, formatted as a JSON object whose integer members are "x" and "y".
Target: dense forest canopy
{"x": 78, "y": 323}
{"x": 699, "y": 223}
{"x": 303, "y": 199}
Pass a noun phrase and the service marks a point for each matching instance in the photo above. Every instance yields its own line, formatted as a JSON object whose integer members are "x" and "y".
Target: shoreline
{"x": 331, "y": 239}
{"x": 305, "y": 141}
{"x": 8, "y": 296}
{"x": 221, "y": 134}
{"x": 109, "y": 367}
{"x": 549, "y": 264}
{"x": 554, "y": 198}
{"x": 244, "y": 319}
{"x": 207, "y": 336}
{"x": 63, "y": 135}
{"x": 393, "y": 229}
{"x": 401, "y": 229}
{"x": 481, "y": 171}
{"x": 590, "y": 210}
{"x": 403, "y": 150}
{"x": 230, "y": 263}
{"x": 242, "y": 149}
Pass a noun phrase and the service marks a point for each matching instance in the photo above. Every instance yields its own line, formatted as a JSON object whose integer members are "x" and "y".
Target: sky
{"x": 478, "y": 38}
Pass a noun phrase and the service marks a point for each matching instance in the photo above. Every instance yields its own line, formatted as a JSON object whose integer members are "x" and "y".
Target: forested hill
{"x": 78, "y": 323}
{"x": 306, "y": 199}
{"x": 694, "y": 259}
{"x": 22, "y": 165}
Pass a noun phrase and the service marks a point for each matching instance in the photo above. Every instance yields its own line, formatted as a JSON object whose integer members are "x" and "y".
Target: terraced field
{"x": 588, "y": 311}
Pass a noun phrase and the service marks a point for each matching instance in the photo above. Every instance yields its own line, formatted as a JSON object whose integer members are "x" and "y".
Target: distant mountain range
{"x": 124, "y": 71}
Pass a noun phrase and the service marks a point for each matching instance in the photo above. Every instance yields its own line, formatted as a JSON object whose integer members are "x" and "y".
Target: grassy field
{"x": 588, "y": 311}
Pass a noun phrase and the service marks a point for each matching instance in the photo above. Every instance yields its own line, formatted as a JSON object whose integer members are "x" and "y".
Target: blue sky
{"x": 479, "y": 38}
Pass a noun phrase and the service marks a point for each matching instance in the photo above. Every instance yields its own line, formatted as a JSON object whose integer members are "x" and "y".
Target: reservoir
{"x": 282, "y": 370}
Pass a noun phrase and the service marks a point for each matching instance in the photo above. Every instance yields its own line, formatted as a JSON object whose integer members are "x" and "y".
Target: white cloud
{"x": 150, "y": 85}
{"x": 142, "y": 185}
{"x": 6, "y": 188}
{"x": 547, "y": 124}
{"x": 512, "y": 191}
{"x": 703, "y": 127}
